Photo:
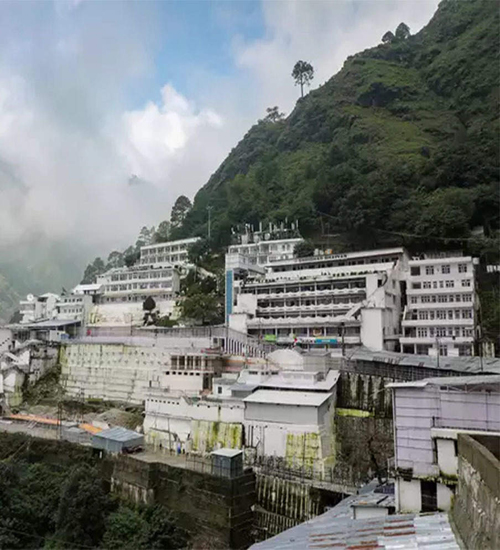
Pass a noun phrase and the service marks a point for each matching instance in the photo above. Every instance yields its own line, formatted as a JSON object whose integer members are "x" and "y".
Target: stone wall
{"x": 283, "y": 503}
{"x": 476, "y": 508}
{"x": 216, "y": 511}
{"x": 211, "y": 508}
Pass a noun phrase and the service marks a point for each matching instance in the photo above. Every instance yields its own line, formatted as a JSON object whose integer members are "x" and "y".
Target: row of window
{"x": 463, "y": 350}
{"x": 440, "y": 284}
{"x": 314, "y": 264}
{"x": 440, "y": 298}
{"x": 160, "y": 259}
{"x": 140, "y": 286}
{"x": 137, "y": 298}
{"x": 163, "y": 249}
{"x": 442, "y": 314}
{"x": 142, "y": 275}
{"x": 442, "y": 332}
{"x": 444, "y": 269}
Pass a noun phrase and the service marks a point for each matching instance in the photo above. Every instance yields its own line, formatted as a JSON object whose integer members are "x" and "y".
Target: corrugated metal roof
{"x": 459, "y": 364}
{"x": 422, "y": 532}
{"x": 118, "y": 434}
{"x": 276, "y": 397}
{"x": 457, "y": 381}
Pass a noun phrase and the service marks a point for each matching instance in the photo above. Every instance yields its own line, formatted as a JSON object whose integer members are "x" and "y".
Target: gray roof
{"x": 410, "y": 531}
{"x": 456, "y": 381}
{"x": 119, "y": 434}
{"x": 460, "y": 364}
{"x": 49, "y": 323}
{"x": 227, "y": 452}
{"x": 277, "y": 397}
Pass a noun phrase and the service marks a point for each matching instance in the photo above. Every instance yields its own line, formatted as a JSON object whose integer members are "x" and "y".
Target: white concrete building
{"x": 428, "y": 415}
{"x": 252, "y": 250}
{"x": 324, "y": 300}
{"x": 38, "y": 308}
{"x": 129, "y": 373}
{"x": 440, "y": 316}
{"x": 171, "y": 252}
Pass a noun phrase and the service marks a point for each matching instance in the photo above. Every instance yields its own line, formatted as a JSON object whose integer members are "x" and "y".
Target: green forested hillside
{"x": 400, "y": 145}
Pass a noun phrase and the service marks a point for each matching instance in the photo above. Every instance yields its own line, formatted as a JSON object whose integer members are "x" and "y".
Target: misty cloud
{"x": 73, "y": 132}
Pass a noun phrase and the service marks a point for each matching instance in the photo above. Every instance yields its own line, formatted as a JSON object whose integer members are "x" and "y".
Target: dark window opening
{"x": 428, "y": 491}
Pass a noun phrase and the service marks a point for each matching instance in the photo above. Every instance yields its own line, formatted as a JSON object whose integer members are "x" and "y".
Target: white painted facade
{"x": 127, "y": 373}
{"x": 440, "y": 317}
{"x": 171, "y": 252}
{"x": 38, "y": 308}
{"x": 428, "y": 414}
{"x": 328, "y": 300}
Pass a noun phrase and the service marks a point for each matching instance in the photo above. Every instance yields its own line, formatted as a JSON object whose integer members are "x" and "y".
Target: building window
{"x": 467, "y": 332}
{"x": 442, "y": 298}
{"x": 428, "y": 491}
{"x": 219, "y": 389}
{"x": 423, "y": 315}
{"x": 466, "y": 282}
{"x": 450, "y": 314}
{"x": 427, "y": 284}
{"x": 440, "y": 332}
{"x": 429, "y": 270}
{"x": 422, "y": 332}
{"x": 467, "y": 314}
{"x": 414, "y": 299}
{"x": 462, "y": 268}
{"x": 450, "y": 284}
{"x": 415, "y": 286}
{"x": 443, "y": 350}
{"x": 464, "y": 350}
{"x": 415, "y": 271}
{"x": 422, "y": 349}
{"x": 467, "y": 297}
{"x": 445, "y": 269}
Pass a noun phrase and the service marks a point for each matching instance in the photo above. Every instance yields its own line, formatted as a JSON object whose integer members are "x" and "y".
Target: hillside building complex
{"x": 333, "y": 300}
{"x": 440, "y": 317}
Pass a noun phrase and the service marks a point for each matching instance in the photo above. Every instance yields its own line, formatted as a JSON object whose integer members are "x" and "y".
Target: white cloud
{"x": 69, "y": 140}
{"x": 155, "y": 136}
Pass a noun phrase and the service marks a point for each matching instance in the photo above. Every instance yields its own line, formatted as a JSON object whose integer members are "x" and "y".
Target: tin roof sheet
{"x": 276, "y": 397}
{"x": 409, "y": 531}
{"x": 119, "y": 434}
{"x": 459, "y": 364}
{"x": 455, "y": 381}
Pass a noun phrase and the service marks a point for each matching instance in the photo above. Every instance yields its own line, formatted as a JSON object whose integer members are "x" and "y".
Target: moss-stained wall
{"x": 207, "y": 436}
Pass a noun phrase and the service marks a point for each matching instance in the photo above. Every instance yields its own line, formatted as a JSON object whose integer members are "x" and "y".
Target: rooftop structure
{"x": 428, "y": 415}
{"x": 117, "y": 440}
{"x": 440, "y": 318}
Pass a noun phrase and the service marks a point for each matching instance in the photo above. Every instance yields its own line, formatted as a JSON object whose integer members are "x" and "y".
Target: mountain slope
{"x": 403, "y": 140}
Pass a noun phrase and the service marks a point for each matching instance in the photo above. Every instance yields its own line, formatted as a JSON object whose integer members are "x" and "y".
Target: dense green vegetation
{"x": 68, "y": 505}
{"x": 401, "y": 146}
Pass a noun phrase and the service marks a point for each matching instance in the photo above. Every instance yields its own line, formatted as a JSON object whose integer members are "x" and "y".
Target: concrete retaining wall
{"x": 476, "y": 509}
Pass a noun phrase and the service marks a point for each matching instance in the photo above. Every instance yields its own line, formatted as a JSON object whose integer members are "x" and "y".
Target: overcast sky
{"x": 94, "y": 93}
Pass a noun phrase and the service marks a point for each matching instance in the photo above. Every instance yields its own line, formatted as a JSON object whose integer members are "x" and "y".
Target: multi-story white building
{"x": 334, "y": 300}
{"x": 439, "y": 318}
{"x": 38, "y": 308}
{"x": 428, "y": 415}
{"x": 252, "y": 251}
{"x": 135, "y": 284}
{"x": 172, "y": 252}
